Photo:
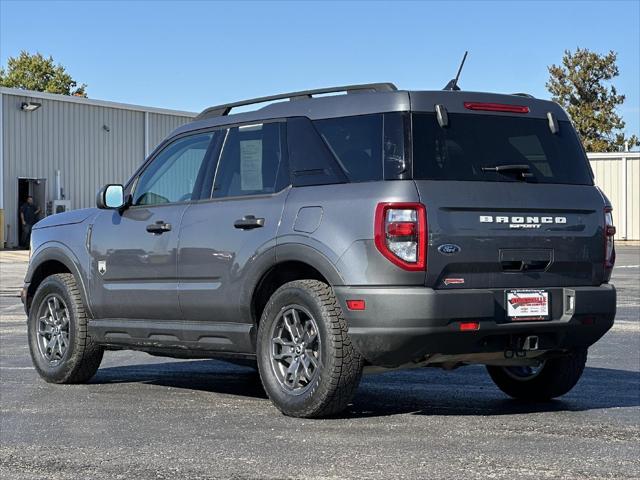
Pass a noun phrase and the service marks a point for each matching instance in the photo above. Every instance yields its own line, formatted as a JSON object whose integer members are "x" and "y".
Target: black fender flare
{"x": 313, "y": 257}
{"x": 55, "y": 251}
{"x": 270, "y": 259}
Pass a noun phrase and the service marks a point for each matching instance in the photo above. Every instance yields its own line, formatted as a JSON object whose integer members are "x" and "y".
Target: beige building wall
{"x": 618, "y": 175}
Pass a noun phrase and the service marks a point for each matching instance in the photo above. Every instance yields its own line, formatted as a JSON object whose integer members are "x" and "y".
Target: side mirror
{"x": 110, "y": 197}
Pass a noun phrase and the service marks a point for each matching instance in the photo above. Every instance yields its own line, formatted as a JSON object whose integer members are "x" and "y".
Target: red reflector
{"x": 496, "y": 107}
{"x": 356, "y": 305}
{"x": 401, "y": 229}
{"x": 588, "y": 321}
{"x": 466, "y": 326}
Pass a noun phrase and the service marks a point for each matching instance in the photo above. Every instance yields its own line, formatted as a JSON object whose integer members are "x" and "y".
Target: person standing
{"x": 28, "y": 217}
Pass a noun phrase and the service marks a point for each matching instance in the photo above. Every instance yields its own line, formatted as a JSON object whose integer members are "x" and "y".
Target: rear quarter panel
{"x": 340, "y": 228}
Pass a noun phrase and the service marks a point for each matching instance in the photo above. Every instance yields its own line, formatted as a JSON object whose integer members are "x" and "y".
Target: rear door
{"x": 536, "y": 223}
{"x": 223, "y": 238}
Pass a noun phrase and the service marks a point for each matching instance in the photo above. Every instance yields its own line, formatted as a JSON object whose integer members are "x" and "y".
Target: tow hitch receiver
{"x": 522, "y": 345}
{"x": 530, "y": 343}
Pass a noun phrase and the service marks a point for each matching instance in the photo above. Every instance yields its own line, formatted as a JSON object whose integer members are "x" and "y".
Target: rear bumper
{"x": 405, "y": 324}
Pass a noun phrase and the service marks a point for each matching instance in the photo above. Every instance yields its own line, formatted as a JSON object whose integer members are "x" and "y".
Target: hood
{"x": 66, "y": 218}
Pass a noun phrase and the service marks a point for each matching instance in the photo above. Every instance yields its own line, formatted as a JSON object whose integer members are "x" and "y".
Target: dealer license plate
{"x": 527, "y": 304}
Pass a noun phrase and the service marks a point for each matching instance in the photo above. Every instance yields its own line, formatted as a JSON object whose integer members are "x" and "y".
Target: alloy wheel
{"x": 53, "y": 329}
{"x": 295, "y": 349}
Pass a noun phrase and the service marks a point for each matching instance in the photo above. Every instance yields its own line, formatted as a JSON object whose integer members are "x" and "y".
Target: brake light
{"x": 609, "y": 233}
{"x": 401, "y": 234}
{"x": 496, "y": 107}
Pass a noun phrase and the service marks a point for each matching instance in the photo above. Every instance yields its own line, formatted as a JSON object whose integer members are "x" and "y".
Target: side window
{"x": 253, "y": 161}
{"x": 172, "y": 176}
{"x": 312, "y": 163}
{"x": 356, "y": 143}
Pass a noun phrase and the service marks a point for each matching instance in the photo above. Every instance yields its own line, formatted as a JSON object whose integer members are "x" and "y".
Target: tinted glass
{"x": 253, "y": 161}
{"x": 396, "y": 142}
{"x": 356, "y": 143}
{"x": 173, "y": 173}
{"x": 312, "y": 163}
{"x": 471, "y": 142}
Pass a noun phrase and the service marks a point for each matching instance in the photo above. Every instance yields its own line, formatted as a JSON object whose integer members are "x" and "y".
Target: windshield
{"x": 472, "y": 145}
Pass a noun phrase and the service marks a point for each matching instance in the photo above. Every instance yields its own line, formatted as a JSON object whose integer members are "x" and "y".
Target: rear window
{"x": 472, "y": 142}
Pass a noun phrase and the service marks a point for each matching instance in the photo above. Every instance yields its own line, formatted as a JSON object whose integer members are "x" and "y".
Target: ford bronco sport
{"x": 321, "y": 235}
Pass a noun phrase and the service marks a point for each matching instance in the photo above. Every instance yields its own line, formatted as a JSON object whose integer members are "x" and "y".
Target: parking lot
{"x": 149, "y": 417}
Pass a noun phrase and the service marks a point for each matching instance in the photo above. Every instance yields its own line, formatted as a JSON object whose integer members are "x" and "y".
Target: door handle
{"x": 249, "y": 222}
{"x": 159, "y": 227}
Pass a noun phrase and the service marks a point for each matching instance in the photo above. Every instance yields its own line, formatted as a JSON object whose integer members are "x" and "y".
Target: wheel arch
{"x": 293, "y": 262}
{"x": 47, "y": 261}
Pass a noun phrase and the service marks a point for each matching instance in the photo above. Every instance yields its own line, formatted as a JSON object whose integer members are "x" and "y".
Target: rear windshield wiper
{"x": 522, "y": 170}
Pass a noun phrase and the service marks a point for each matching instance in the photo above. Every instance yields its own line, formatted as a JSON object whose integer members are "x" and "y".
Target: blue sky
{"x": 188, "y": 55}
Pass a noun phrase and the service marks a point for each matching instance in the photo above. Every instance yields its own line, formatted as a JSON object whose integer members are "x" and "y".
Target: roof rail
{"x": 221, "y": 110}
{"x": 520, "y": 94}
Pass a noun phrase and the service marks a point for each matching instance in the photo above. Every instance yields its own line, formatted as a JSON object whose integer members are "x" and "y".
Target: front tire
{"x": 307, "y": 364}
{"x": 61, "y": 349}
{"x": 553, "y": 378}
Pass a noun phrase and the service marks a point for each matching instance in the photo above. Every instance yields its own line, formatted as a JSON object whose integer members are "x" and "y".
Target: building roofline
{"x": 93, "y": 102}
{"x": 613, "y": 155}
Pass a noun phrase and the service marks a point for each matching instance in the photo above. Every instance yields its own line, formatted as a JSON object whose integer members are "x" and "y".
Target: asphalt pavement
{"x": 147, "y": 417}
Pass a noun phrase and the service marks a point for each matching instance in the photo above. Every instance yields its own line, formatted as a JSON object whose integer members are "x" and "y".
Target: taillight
{"x": 401, "y": 234}
{"x": 609, "y": 232}
{"x": 496, "y": 107}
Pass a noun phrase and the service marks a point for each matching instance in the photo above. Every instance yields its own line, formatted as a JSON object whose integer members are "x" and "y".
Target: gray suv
{"x": 326, "y": 235}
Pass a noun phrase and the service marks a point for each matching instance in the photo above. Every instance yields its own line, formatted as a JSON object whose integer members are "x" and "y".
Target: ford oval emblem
{"x": 449, "y": 249}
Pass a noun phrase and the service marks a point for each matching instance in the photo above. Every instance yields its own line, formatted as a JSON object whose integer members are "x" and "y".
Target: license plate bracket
{"x": 527, "y": 304}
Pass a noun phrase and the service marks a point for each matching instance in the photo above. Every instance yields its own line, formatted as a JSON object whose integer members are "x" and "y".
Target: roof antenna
{"x": 453, "y": 84}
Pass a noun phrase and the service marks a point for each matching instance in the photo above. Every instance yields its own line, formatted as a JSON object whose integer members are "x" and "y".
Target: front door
{"x": 223, "y": 237}
{"x": 134, "y": 252}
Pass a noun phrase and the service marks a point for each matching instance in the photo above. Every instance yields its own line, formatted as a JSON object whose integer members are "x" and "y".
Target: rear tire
{"x": 307, "y": 364}
{"x": 61, "y": 348}
{"x": 554, "y": 378}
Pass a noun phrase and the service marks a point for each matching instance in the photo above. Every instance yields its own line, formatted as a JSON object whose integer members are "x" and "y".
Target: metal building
{"x": 62, "y": 149}
{"x": 618, "y": 175}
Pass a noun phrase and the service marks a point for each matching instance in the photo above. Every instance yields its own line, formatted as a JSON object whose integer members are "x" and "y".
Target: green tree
{"x": 582, "y": 86}
{"x": 35, "y": 72}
